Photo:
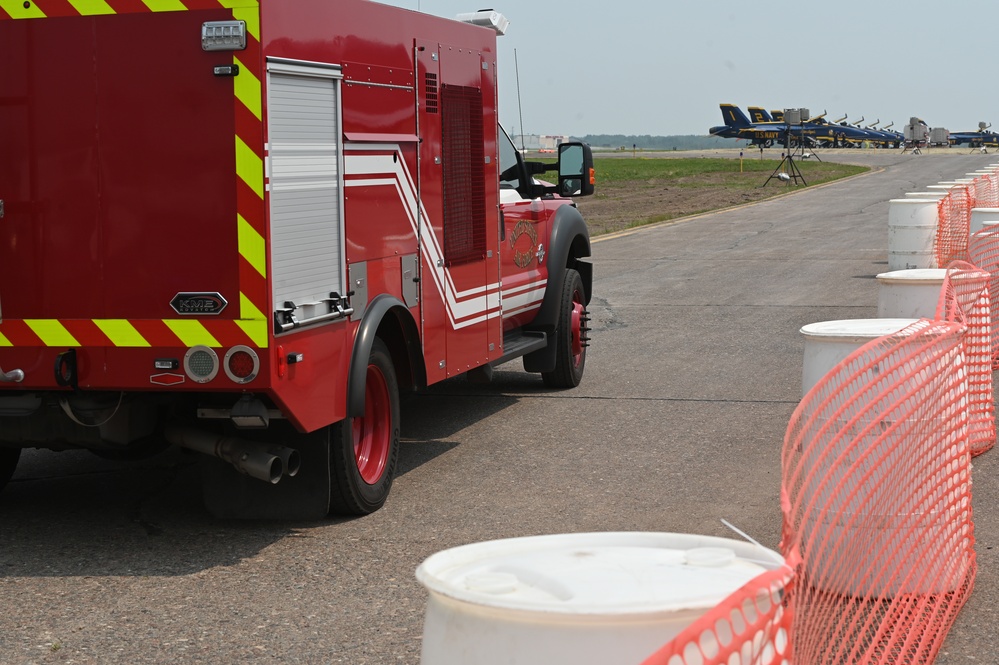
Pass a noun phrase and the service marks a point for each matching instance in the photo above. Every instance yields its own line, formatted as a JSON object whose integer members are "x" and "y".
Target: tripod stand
{"x": 791, "y": 173}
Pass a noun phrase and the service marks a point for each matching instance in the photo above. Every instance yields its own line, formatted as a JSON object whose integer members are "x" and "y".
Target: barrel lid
{"x": 913, "y": 201}
{"x": 914, "y": 276}
{"x": 854, "y": 329}
{"x": 597, "y": 573}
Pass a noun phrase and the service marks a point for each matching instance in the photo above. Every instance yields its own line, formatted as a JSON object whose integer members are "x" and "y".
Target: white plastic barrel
{"x": 926, "y": 195}
{"x": 912, "y": 232}
{"x": 585, "y": 598}
{"x": 944, "y": 187}
{"x": 827, "y": 343}
{"x": 910, "y": 293}
{"x": 981, "y": 215}
{"x": 840, "y": 550}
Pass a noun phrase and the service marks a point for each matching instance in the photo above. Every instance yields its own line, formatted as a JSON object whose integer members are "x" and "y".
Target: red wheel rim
{"x": 577, "y": 329}
{"x": 373, "y": 431}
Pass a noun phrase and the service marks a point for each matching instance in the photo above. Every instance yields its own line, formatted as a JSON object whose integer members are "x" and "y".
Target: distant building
{"x": 527, "y": 141}
{"x": 539, "y": 141}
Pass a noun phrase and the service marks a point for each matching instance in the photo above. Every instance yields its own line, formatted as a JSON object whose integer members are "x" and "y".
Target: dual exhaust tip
{"x": 263, "y": 461}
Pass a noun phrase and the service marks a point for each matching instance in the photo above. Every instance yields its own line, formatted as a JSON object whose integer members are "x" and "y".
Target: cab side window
{"x": 510, "y": 169}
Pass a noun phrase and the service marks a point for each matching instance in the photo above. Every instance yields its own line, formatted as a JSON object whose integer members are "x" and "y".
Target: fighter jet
{"x": 977, "y": 139}
{"x": 759, "y": 114}
{"x": 841, "y": 134}
{"x": 738, "y": 126}
{"x": 810, "y": 133}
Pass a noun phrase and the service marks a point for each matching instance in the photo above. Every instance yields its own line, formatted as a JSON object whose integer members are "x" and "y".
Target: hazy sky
{"x": 663, "y": 66}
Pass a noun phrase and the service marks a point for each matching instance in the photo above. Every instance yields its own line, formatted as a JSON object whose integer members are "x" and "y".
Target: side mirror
{"x": 576, "y": 176}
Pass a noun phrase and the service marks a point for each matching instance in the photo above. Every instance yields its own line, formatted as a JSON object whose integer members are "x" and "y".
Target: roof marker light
{"x": 486, "y": 18}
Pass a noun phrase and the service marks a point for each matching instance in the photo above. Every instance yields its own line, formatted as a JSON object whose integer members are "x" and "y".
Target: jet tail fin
{"x": 733, "y": 116}
{"x": 759, "y": 114}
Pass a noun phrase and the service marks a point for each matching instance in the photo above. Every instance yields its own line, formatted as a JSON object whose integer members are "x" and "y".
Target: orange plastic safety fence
{"x": 750, "y": 627}
{"x": 986, "y": 191}
{"x": 964, "y": 299}
{"x": 876, "y": 500}
{"x": 983, "y": 251}
{"x": 953, "y": 225}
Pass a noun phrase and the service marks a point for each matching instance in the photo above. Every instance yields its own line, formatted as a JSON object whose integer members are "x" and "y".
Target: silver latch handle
{"x": 13, "y": 376}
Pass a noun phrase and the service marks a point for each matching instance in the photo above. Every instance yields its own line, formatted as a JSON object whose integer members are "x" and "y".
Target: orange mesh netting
{"x": 983, "y": 250}
{"x": 986, "y": 191}
{"x": 750, "y": 627}
{"x": 964, "y": 299}
{"x": 953, "y": 225}
{"x": 876, "y": 499}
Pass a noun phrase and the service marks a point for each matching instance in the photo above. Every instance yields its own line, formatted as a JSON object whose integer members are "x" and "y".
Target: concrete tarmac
{"x": 693, "y": 372}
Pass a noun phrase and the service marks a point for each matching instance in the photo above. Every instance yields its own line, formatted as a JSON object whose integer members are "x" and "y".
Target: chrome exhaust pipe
{"x": 291, "y": 460}
{"x": 263, "y": 461}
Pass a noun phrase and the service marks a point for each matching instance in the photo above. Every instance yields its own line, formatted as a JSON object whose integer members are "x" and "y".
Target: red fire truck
{"x": 243, "y": 227}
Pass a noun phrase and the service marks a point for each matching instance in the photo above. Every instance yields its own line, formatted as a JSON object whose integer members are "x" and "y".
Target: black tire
{"x": 8, "y": 464}
{"x": 570, "y": 337}
{"x": 364, "y": 451}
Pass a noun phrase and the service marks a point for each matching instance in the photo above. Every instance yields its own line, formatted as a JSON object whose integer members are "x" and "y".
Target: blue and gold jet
{"x": 769, "y": 129}
{"x": 764, "y": 133}
{"x": 978, "y": 139}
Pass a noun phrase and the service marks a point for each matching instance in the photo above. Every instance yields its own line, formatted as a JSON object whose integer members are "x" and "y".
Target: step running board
{"x": 520, "y": 344}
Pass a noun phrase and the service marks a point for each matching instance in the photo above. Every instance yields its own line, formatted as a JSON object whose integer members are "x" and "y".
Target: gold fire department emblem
{"x": 521, "y": 258}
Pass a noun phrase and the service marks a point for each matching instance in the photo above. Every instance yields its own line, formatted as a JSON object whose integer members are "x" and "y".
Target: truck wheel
{"x": 570, "y": 336}
{"x": 8, "y": 463}
{"x": 364, "y": 451}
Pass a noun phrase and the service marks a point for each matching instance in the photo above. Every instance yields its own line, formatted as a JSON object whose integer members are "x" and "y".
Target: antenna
{"x": 520, "y": 109}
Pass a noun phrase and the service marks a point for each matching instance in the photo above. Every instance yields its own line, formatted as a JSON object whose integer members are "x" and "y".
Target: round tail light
{"x": 241, "y": 364}
{"x": 201, "y": 364}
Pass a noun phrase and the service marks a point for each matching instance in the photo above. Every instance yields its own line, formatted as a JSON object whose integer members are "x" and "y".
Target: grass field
{"x": 618, "y": 170}
{"x": 638, "y": 191}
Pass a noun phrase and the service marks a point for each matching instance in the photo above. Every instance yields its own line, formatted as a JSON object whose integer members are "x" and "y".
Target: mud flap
{"x": 305, "y": 496}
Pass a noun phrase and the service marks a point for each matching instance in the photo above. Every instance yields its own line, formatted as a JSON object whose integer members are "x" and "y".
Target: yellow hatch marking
{"x": 16, "y": 9}
{"x": 121, "y": 332}
{"x": 191, "y": 333}
{"x": 51, "y": 332}
{"x": 92, "y": 7}
{"x": 236, "y": 4}
{"x": 252, "y": 321}
{"x": 165, "y": 5}
{"x": 249, "y": 167}
{"x": 247, "y": 88}
{"x": 251, "y": 246}
{"x": 252, "y": 17}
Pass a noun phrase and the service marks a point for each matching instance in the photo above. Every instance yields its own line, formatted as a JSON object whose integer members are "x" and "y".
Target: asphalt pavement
{"x": 693, "y": 372}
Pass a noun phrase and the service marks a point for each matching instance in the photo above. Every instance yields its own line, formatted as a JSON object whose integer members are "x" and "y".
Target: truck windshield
{"x": 509, "y": 163}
